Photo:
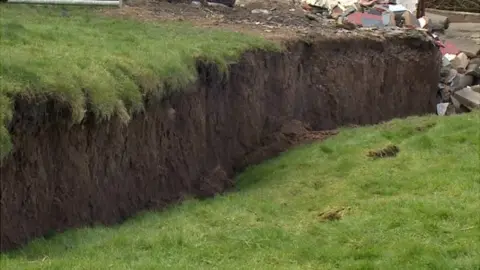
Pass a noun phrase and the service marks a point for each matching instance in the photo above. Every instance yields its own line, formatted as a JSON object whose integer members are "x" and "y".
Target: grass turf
{"x": 418, "y": 210}
{"x": 72, "y": 53}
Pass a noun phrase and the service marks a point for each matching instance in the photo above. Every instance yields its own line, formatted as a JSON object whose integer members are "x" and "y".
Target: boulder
{"x": 461, "y": 81}
{"x": 437, "y": 22}
{"x": 410, "y": 20}
{"x": 473, "y": 70}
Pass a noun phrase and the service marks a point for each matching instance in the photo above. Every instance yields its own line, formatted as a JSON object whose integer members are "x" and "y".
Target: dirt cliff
{"x": 61, "y": 175}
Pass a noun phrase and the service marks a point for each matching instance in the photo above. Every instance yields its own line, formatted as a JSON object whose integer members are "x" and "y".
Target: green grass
{"x": 419, "y": 210}
{"x": 44, "y": 53}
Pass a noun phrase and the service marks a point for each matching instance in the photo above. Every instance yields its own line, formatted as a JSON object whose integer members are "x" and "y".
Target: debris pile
{"x": 459, "y": 87}
{"x": 351, "y": 14}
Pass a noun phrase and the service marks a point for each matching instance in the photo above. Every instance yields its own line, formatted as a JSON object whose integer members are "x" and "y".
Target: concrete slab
{"x": 468, "y": 98}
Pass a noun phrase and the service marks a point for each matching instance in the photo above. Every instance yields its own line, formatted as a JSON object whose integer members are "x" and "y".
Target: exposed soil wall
{"x": 61, "y": 175}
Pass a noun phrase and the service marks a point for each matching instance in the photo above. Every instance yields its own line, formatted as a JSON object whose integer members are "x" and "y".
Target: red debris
{"x": 356, "y": 17}
{"x": 448, "y": 47}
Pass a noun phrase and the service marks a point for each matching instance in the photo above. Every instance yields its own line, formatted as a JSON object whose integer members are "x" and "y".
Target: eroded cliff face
{"x": 61, "y": 176}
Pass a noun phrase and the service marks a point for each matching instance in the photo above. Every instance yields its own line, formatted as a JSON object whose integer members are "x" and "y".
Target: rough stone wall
{"x": 61, "y": 176}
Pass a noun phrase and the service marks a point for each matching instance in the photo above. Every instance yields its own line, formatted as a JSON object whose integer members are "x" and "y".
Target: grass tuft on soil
{"x": 320, "y": 206}
{"x": 78, "y": 56}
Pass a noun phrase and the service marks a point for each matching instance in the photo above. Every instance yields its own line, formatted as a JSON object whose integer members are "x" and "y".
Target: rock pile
{"x": 351, "y": 14}
{"x": 459, "y": 87}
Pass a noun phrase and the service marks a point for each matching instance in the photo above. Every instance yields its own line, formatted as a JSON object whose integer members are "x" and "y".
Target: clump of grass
{"x": 309, "y": 209}
{"x": 71, "y": 53}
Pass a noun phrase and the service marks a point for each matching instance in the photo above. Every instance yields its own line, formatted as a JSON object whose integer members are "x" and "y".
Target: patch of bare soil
{"x": 425, "y": 127}
{"x": 274, "y": 20}
{"x": 289, "y": 134}
{"x": 334, "y": 214}
{"x": 389, "y": 151}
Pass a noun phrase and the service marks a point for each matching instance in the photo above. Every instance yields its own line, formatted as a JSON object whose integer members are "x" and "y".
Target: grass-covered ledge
{"x": 73, "y": 53}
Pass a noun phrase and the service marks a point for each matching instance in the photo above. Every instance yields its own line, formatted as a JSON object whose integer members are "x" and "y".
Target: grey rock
{"x": 461, "y": 70}
{"x": 446, "y": 93}
{"x": 469, "y": 54}
{"x": 410, "y": 19}
{"x": 260, "y": 11}
{"x": 437, "y": 22}
{"x": 468, "y": 98}
{"x": 218, "y": 5}
{"x": 455, "y": 102}
{"x": 475, "y": 88}
{"x": 459, "y": 108}
{"x": 475, "y": 60}
{"x": 196, "y": 4}
{"x": 461, "y": 61}
{"x": 450, "y": 109}
{"x": 461, "y": 81}
{"x": 473, "y": 70}
{"x": 448, "y": 75}
{"x": 312, "y": 17}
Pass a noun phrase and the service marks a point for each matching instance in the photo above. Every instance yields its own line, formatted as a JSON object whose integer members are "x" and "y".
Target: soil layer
{"x": 62, "y": 176}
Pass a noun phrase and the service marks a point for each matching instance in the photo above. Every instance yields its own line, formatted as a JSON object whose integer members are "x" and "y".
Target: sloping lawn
{"x": 71, "y": 53}
{"x": 418, "y": 210}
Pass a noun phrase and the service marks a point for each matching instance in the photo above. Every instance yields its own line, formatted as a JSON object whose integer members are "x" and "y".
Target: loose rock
{"x": 260, "y": 11}
{"x": 460, "y": 61}
{"x": 468, "y": 98}
{"x": 461, "y": 81}
{"x": 476, "y": 88}
{"x": 473, "y": 70}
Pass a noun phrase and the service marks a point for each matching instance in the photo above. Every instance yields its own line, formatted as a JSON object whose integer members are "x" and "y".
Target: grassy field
{"x": 418, "y": 210}
{"x": 70, "y": 53}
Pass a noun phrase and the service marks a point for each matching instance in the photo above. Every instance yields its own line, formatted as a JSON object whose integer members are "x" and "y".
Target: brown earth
{"x": 61, "y": 176}
{"x": 283, "y": 21}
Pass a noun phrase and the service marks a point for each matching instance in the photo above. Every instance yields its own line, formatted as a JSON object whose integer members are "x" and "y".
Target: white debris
{"x": 330, "y": 4}
{"x": 442, "y": 108}
{"x": 260, "y": 11}
{"x": 410, "y": 5}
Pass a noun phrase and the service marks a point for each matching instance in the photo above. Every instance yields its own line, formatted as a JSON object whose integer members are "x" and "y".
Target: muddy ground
{"x": 286, "y": 19}
{"x": 283, "y": 20}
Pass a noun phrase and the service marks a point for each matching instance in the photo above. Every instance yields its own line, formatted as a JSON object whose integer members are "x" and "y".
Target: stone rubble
{"x": 460, "y": 81}
{"x": 459, "y": 87}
